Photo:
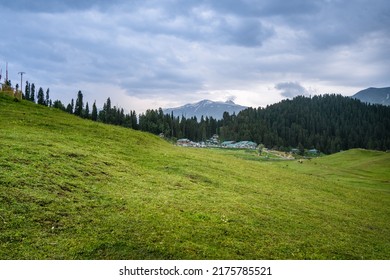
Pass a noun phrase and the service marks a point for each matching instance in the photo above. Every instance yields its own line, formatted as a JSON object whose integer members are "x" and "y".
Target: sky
{"x": 166, "y": 53}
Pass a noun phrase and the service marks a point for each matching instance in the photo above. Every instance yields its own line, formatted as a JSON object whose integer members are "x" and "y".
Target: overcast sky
{"x": 165, "y": 53}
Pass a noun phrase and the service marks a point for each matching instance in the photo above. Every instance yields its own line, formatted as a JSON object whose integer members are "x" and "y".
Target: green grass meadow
{"x": 76, "y": 189}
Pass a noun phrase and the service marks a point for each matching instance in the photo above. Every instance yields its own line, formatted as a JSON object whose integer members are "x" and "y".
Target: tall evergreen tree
{"x": 108, "y": 112}
{"x": 47, "y": 100}
{"x": 27, "y": 91}
{"x": 41, "y": 97}
{"x": 78, "y": 110}
{"x": 94, "y": 112}
{"x": 86, "y": 111}
{"x": 32, "y": 93}
{"x": 133, "y": 117}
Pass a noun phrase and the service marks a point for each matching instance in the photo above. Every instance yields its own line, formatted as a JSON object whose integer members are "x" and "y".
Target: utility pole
{"x": 6, "y": 73}
{"x": 21, "y": 81}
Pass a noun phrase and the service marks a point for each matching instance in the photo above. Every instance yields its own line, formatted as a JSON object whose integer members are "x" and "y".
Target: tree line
{"x": 329, "y": 123}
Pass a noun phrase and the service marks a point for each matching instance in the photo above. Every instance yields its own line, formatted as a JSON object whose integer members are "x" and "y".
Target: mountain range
{"x": 374, "y": 95}
{"x": 205, "y": 108}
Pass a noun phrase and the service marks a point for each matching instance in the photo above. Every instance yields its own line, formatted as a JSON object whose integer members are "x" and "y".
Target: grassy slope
{"x": 76, "y": 189}
{"x": 359, "y": 168}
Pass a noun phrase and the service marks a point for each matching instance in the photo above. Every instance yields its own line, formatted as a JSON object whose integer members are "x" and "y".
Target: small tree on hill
{"x": 70, "y": 106}
{"x": 58, "y": 104}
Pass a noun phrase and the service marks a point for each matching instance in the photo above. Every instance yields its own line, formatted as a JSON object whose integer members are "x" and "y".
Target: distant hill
{"x": 374, "y": 95}
{"x": 205, "y": 108}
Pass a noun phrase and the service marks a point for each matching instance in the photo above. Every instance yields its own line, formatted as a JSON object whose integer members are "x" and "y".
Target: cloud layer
{"x": 147, "y": 54}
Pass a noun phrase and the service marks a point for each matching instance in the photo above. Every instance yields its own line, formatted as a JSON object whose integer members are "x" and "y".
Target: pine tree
{"x": 70, "y": 107}
{"x": 133, "y": 116}
{"x": 41, "y": 98}
{"x": 108, "y": 114}
{"x": 27, "y": 91}
{"x": 86, "y": 111}
{"x": 94, "y": 112}
{"x": 47, "y": 101}
{"x": 78, "y": 110}
{"x": 32, "y": 93}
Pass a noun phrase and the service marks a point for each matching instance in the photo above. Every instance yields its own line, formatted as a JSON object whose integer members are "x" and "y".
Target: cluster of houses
{"x": 185, "y": 142}
{"x": 214, "y": 142}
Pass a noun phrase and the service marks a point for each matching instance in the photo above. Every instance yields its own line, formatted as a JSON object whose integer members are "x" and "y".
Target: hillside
{"x": 374, "y": 95}
{"x": 76, "y": 189}
{"x": 205, "y": 108}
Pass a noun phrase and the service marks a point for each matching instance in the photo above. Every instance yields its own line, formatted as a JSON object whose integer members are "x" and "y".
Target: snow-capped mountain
{"x": 205, "y": 108}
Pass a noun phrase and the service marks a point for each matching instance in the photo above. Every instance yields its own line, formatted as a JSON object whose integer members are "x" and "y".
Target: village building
{"x": 245, "y": 145}
{"x": 226, "y": 144}
{"x": 313, "y": 152}
{"x": 215, "y": 139}
{"x": 184, "y": 142}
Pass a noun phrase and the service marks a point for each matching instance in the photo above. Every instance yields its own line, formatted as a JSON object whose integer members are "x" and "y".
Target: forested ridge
{"x": 329, "y": 123}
